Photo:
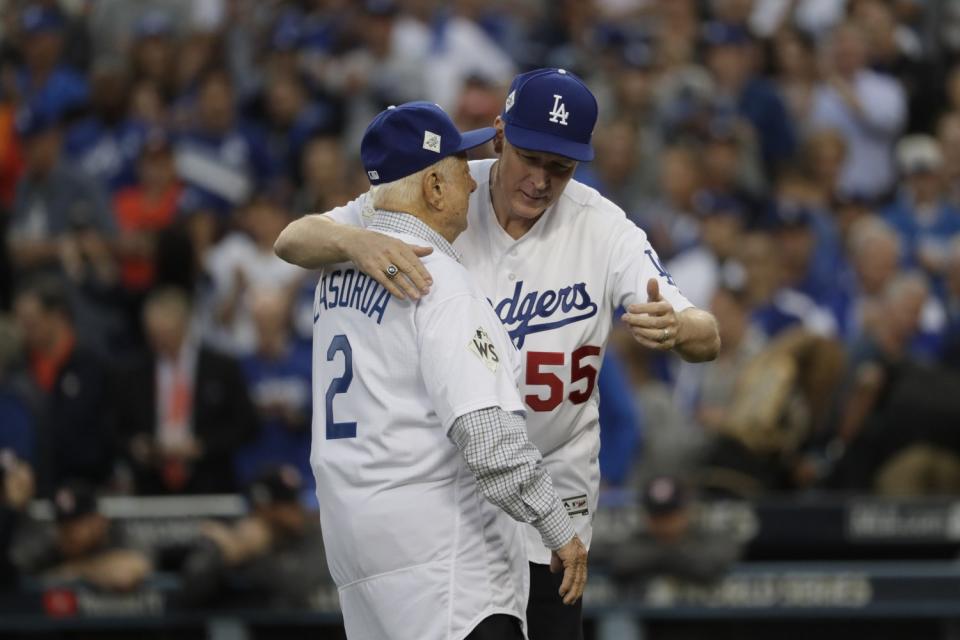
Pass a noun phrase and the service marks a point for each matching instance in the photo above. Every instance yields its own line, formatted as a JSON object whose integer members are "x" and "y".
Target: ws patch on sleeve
{"x": 482, "y": 346}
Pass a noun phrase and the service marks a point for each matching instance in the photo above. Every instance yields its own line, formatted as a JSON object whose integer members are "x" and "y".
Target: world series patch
{"x": 482, "y": 346}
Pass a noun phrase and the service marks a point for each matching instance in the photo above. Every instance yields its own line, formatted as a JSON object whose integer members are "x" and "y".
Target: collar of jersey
{"x": 397, "y": 222}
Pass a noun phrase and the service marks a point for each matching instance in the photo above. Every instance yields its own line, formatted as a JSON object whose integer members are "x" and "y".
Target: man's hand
{"x": 572, "y": 559}
{"x": 18, "y": 482}
{"x": 373, "y": 252}
{"x": 653, "y": 324}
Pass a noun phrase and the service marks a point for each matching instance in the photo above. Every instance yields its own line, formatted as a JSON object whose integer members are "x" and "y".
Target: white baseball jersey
{"x": 556, "y": 290}
{"x": 415, "y": 549}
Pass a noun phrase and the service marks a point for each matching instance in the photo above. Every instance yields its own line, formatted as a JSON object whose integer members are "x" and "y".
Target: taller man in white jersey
{"x": 556, "y": 259}
{"x": 418, "y": 434}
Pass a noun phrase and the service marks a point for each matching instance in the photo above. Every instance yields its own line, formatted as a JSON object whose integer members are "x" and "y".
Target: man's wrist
{"x": 555, "y": 528}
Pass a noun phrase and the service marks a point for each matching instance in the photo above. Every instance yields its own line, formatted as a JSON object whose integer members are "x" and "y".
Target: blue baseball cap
{"x": 38, "y": 19}
{"x": 711, "y": 203}
{"x": 403, "y": 140}
{"x": 787, "y": 214}
{"x": 720, "y": 34}
{"x": 551, "y": 110}
{"x": 154, "y": 23}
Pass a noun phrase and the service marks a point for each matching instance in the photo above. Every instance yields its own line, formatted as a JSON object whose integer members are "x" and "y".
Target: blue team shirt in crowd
{"x": 228, "y": 167}
{"x": 109, "y": 153}
{"x": 286, "y": 379}
{"x": 64, "y": 91}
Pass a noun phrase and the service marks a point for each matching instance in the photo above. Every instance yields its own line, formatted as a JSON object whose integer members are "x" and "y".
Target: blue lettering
{"x": 334, "y": 289}
{"x": 355, "y": 290}
{"x": 321, "y": 298}
{"x": 380, "y": 305}
{"x": 371, "y": 289}
{"x": 547, "y": 304}
{"x": 345, "y": 288}
{"x": 356, "y": 294}
{"x": 656, "y": 265}
{"x": 519, "y": 312}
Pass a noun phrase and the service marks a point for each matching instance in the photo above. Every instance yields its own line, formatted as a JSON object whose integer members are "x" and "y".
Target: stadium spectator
{"x": 775, "y": 306}
{"x": 217, "y": 153}
{"x": 153, "y": 51}
{"x": 54, "y": 203}
{"x": 617, "y": 169}
{"x": 825, "y": 155}
{"x": 741, "y": 92}
{"x": 867, "y": 108}
{"x": 275, "y": 554}
{"x": 43, "y": 82}
{"x": 387, "y": 68}
{"x": 17, "y": 403}
{"x": 86, "y": 547}
{"x": 62, "y": 223}
{"x": 669, "y": 220}
{"x": 292, "y": 118}
{"x": 325, "y": 176}
{"x": 75, "y": 439}
{"x": 874, "y": 250}
{"x": 876, "y": 357}
{"x": 16, "y": 490}
{"x": 672, "y": 543}
{"x": 242, "y": 261}
{"x": 183, "y": 412}
{"x": 278, "y": 376}
{"x": 670, "y": 443}
{"x": 921, "y": 214}
{"x": 948, "y": 137}
{"x": 742, "y": 342}
{"x": 951, "y": 351}
{"x": 144, "y": 210}
{"x": 106, "y": 144}
{"x": 722, "y": 220}
{"x": 796, "y": 64}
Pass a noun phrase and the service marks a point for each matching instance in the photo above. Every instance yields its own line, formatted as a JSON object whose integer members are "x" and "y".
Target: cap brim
{"x": 475, "y": 138}
{"x": 531, "y": 140}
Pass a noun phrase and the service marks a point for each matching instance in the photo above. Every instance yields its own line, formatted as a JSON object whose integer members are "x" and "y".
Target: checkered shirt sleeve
{"x": 510, "y": 472}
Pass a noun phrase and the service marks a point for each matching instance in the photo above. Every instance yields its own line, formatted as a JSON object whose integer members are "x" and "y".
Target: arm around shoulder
{"x": 316, "y": 240}
{"x": 313, "y": 241}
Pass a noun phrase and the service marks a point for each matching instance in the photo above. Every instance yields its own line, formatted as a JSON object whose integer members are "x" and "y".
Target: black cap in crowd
{"x": 664, "y": 494}
{"x": 74, "y": 500}
{"x": 276, "y": 485}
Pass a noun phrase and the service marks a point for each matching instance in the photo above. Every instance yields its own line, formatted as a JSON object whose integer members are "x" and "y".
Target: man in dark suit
{"x": 184, "y": 411}
{"x": 74, "y": 439}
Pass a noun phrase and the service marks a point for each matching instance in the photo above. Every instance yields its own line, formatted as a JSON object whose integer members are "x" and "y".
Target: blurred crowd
{"x": 795, "y": 163}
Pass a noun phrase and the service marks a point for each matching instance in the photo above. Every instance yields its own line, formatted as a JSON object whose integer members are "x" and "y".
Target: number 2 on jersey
{"x": 578, "y": 371}
{"x": 335, "y": 430}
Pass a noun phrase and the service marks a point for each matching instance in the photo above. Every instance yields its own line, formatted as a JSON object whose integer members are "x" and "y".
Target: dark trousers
{"x": 547, "y": 617}
{"x": 497, "y": 627}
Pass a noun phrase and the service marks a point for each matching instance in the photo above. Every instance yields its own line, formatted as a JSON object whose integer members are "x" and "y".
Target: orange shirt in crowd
{"x": 46, "y": 366}
{"x": 137, "y": 212}
{"x": 11, "y": 159}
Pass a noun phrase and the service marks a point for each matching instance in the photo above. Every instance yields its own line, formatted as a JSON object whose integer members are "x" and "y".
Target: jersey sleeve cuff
{"x": 555, "y": 528}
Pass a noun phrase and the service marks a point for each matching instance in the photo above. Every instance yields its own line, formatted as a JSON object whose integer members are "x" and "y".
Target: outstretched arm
{"x": 315, "y": 240}
{"x": 691, "y": 333}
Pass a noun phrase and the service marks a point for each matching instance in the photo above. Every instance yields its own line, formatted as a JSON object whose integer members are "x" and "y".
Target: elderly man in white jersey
{"x": 420, "y": 450}
{"x": 557, "y": 260}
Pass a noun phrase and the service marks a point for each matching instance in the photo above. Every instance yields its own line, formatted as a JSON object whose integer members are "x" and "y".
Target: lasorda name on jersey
{"x": 519, "y": 311}
{"x": 352, "y": 289}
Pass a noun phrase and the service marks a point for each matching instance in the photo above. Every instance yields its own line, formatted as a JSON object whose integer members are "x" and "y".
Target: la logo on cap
{"x": 559, "y": 113}
{"x": 431, "y": 141}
